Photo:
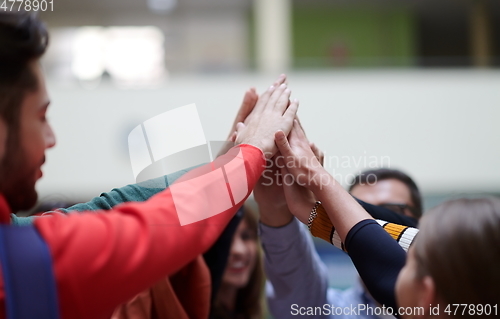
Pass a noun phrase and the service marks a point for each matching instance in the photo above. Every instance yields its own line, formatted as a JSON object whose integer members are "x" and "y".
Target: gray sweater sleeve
{"x": 296, "y": 273}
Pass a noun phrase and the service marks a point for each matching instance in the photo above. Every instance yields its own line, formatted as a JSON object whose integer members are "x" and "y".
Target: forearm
{"x": 130, "y": 193}
{"x": 104, "y": 259}
{"x": 378, "y": 259}
{"x": 274, "y": 216}
{"x": 342, "y": 209}
{"x": 322, "y": 227}
{"x": 294, "y": 269}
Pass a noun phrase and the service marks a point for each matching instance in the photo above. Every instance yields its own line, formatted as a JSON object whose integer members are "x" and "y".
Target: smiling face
{"x": 25, "y": 154}
{"x": 242, "y": 257}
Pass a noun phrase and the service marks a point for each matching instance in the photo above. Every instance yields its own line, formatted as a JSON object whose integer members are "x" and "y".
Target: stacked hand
{"x": 259, "y": 121}
{"x": 302, "y": 171}
{"x": 272, "y": 113}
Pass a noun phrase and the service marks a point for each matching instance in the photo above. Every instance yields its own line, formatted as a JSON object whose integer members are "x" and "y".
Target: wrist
{"x": 275, "y": 215}
{"x": 321, "y": 180}
{"x": 271, "y": 206}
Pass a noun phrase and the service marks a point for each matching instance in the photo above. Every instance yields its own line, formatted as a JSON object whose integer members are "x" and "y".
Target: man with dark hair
{"x": 91, "y": 263}
{"x": 23, "y": 41}
{"x": 389, "y": 188}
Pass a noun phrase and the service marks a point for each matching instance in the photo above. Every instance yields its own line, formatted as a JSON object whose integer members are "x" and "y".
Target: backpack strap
{"x": 29, "y": 281}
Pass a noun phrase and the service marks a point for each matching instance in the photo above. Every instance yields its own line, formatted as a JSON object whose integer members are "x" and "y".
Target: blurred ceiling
{"x": 131, "y": 12}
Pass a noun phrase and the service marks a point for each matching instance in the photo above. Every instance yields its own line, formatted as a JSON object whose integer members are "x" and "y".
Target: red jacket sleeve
{"x": 102, "y": 260}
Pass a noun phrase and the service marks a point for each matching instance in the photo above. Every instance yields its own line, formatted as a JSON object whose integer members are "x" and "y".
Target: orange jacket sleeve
{"x": 102, "y": 260}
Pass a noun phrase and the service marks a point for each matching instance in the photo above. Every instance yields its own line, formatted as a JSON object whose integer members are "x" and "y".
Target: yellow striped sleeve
{"x": 321, "y": 226}
{"x": 404, "y": 235}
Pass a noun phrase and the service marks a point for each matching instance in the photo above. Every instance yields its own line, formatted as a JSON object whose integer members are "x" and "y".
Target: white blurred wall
{"x": 442, "y": 127}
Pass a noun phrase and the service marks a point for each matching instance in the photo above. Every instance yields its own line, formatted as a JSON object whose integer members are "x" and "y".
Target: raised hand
{"x": 249, "y": 101}
{"x": 247, "y": 105}
{"x": 300, "y": 200}
{"x": 276, "y": 187}
{"x": 300, "y": 160}
{"x": 342, "y": 209}
{"x": 272, "y": 113}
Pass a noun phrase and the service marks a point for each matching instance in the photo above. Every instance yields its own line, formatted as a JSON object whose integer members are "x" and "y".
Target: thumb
{"x": 282, "y": 143}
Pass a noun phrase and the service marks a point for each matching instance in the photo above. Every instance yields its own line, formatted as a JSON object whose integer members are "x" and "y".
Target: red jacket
{"x": 102, "y": 260}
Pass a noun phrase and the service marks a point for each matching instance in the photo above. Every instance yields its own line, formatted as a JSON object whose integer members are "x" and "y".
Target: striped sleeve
{"x": 322, "y": 228}
{"x": 404, "y": 235}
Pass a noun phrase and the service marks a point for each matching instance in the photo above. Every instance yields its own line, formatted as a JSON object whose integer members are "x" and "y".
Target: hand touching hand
{"x": 247, "y": 105}
{"x": 269, "y": 195}
{"x": 299, "y": 199}
{"x": 249, "y": 100}
{"x": 272, "y": 193}
{"x": 272, "y": 113}
{"x": 300, "y": 160}
{"x": 342, "y": 209}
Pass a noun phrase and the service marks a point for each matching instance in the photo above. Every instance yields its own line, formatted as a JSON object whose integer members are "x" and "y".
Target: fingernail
{"x": 271, "y": 88}
{"x": 283, "y": 85}
{"x": 296, "y": 100}
{"x": 288, "y": 91}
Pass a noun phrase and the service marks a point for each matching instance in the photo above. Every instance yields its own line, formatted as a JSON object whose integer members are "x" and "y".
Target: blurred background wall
{"x": 408, "y": 84}
{"x": 412, "y": 82}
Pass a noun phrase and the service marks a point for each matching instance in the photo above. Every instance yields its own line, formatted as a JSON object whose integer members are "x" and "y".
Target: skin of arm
{"x": 101, "y": 260}
{"x": 294, "y": 270}
{"x": 141, "y": 191}
{"x": 299, "y": 160}
{"x": 378, "y": 261}
{"x": 277, "y": 227}
{"x": 292, "y": 266}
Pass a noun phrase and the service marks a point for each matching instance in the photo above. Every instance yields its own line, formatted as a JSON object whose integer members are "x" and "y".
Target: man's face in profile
{"x": 25, "y": 153}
